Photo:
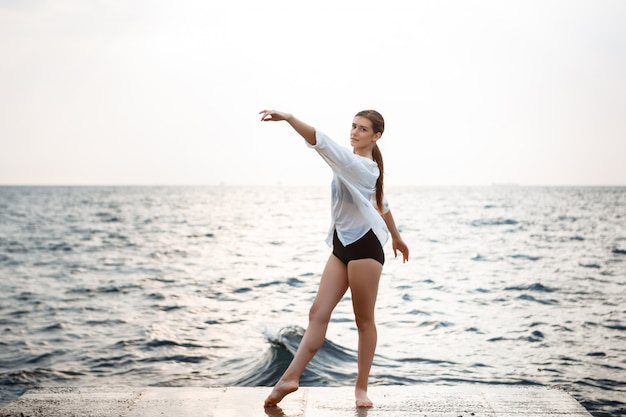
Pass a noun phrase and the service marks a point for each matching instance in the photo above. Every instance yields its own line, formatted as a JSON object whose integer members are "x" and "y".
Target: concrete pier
{"x": 389, "y": 401}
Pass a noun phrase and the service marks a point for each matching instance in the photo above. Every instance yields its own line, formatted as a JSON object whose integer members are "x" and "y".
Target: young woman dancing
{"x": 361, "y": 222}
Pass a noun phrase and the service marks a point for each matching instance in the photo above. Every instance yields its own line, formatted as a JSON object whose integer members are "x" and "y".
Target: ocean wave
{"x": 156, "y": 344}
{"x": 590, "y": 265}
{"x": 332, "y": 363}
{"x": 526, "y": 257}
{"x": 536, "y": 287}
{"x": 494, "y": 222}
{"x": 527, "y": 297}
{"x": 15, "y": 383}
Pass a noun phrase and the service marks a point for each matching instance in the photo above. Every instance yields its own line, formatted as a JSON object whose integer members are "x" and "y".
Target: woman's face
{"x": 362, "y": 136}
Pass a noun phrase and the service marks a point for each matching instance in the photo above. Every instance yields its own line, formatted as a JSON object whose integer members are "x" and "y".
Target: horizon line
{"x": 224, "y": 184}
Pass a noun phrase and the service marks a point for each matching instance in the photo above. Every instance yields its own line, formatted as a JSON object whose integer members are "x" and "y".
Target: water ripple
{"x": 191, "y": 286}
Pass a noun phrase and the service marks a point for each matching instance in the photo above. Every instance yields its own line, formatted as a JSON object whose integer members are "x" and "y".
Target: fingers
{"x": 266, "y": 115}
{"x": 404, "y": 250}
{"x": 405, "y": 254}
{"x": 271, "y": 115}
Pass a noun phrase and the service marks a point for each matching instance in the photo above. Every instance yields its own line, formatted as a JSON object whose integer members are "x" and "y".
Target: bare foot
{"x": 274, "y": 412}
{"x": 281, "y": 389}
{"x": 362, "y": 400}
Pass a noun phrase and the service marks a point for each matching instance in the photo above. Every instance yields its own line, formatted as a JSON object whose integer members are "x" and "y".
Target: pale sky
{"x": 167, "y": 92}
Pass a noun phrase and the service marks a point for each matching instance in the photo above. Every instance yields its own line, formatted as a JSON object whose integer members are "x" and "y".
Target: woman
{"x": 361, "y": 221}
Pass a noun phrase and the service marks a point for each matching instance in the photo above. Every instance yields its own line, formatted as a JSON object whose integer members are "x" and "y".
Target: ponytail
{"x": 378, "y": 158}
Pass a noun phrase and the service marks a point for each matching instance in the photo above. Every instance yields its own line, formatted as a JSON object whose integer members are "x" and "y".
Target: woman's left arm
{"x": 396, "y": 240}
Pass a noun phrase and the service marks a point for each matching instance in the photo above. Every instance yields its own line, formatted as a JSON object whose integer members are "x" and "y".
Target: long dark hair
{"x": 378, "y": 125}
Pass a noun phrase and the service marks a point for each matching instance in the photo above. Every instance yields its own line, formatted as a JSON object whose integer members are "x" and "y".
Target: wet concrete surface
{"x": 396, "y": 401}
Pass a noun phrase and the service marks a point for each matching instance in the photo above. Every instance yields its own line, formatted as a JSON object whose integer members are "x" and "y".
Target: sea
{"x": 211, "y": 286}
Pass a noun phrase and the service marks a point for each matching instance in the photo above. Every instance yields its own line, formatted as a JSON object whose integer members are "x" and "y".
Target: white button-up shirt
{"x": 353, "y": 201}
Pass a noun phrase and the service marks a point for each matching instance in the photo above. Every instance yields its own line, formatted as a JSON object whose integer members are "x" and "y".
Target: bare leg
{"x": 363, "y": 278}
{"x": 333, "y": 286}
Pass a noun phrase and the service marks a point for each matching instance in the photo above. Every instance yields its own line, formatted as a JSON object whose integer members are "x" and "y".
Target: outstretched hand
{"x": 273, "y": 115}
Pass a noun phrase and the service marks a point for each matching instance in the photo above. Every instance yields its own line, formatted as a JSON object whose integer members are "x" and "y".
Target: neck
{"x": 365, "y": 153}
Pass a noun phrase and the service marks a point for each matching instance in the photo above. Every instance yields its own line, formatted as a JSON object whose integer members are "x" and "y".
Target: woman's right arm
{"x": 305, "y": 130}
{"x": 396, "y": 240}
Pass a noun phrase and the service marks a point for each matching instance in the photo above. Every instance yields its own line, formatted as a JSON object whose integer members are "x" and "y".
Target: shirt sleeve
{"x": 344, "y": 162}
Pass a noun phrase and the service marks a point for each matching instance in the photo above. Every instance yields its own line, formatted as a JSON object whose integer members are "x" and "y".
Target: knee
{"x": 365, "y": 324}
{"x": 318, "y": 315}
